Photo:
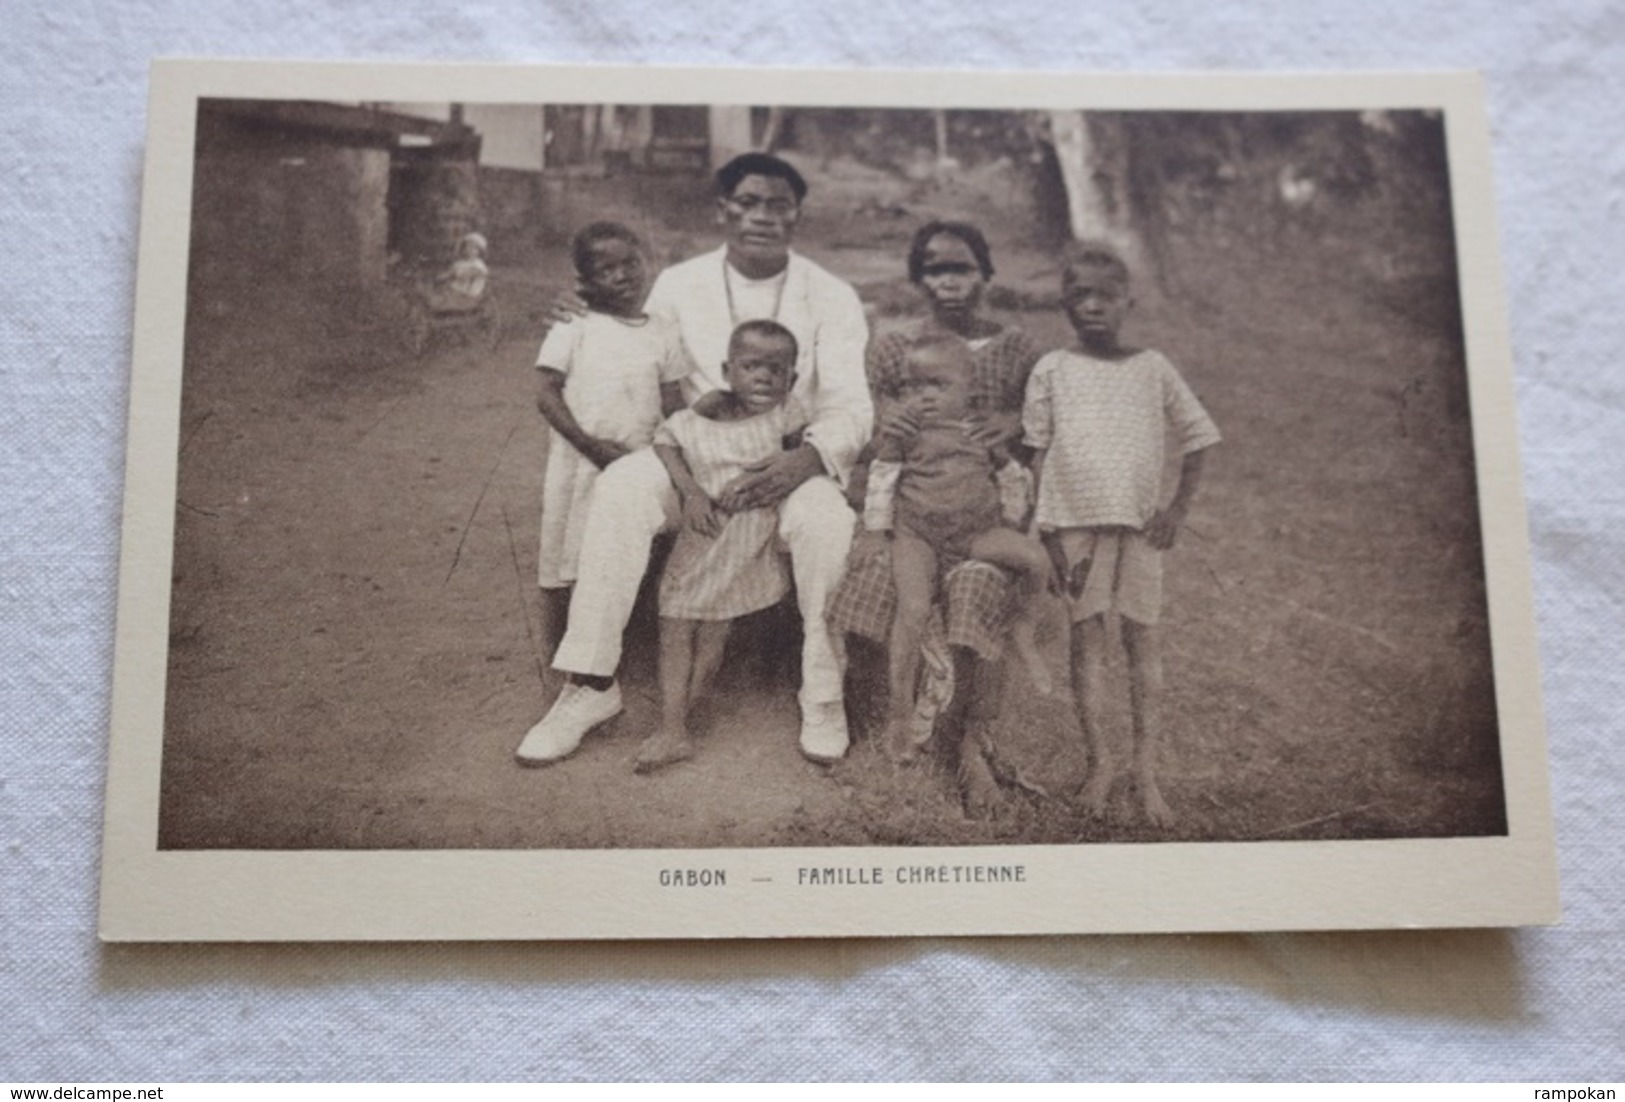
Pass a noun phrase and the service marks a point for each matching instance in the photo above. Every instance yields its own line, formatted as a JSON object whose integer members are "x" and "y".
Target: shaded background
{"x": 1542, "y": 1004}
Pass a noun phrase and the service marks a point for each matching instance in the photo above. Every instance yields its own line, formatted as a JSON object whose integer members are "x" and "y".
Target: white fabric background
{"x": 1539, "y": 1005}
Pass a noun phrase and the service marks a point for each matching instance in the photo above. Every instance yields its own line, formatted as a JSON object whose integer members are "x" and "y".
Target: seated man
{"x": 753, "y": 276}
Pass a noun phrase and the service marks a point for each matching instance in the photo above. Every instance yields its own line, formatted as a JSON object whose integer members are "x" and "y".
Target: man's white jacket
{"x": 827, "y": 319}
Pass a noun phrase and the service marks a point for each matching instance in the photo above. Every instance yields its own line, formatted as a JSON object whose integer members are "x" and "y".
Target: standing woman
{"x": 951, "y": 264}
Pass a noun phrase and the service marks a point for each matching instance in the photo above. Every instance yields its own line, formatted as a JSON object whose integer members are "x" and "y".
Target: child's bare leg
{"x": 555, "y": 613}
{"x": 1088, "y": 676}
{"x": 1144, "y": 646}
{"x": 1010, "y": 549}
{"x": 671, "y": 743}
{"x": 710, "y": 636}
{"x": 982, "y": 682}
{"x": 914, "y": 572}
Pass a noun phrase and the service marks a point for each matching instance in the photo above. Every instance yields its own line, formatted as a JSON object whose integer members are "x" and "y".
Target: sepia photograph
{"x": 917, "y": 491}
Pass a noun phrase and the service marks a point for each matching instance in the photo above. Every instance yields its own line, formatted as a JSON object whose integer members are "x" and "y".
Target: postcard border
{"x": 153, "y": 895}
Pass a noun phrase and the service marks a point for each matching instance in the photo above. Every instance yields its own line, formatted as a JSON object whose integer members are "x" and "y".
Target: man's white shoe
{"x": 577, "y": 710}
{"x": 823, "y": 732}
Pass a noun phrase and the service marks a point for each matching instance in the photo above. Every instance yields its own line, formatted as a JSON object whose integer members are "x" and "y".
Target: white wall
{"x": 512, "y": 132}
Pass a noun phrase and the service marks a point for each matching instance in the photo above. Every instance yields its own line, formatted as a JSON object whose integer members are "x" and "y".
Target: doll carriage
{"x": 432, "y": 310}
{"x": 439, "y": 302}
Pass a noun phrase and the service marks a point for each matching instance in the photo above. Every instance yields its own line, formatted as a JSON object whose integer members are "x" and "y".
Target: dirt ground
{"x": 354, "y": 624}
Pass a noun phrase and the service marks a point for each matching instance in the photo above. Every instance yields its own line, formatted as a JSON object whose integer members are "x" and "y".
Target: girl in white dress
{"x": 607, "y": 379}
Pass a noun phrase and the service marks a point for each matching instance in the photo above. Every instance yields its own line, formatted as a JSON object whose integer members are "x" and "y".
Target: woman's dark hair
{"x": 759, "y": 164}
{"x": 969, "y": 234}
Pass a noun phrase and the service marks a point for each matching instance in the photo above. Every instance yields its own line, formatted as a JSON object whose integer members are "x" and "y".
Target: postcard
{"x": 591, "y": 502}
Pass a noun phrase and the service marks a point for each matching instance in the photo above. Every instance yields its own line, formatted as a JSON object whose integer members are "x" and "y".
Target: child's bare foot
{"x": 1098, "y": 789}
{"x": 1022, "y": 637}
{"x": 898, "y": 741}
{"x": 978, "y": 788}
{"x": 1151, "y": 802}
{"x": 663, "y": 748}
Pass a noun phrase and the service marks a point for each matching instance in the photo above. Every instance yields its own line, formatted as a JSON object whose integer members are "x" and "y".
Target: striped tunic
{"x": 742, "y": 570}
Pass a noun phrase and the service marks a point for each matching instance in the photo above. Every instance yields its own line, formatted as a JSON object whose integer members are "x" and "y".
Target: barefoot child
{"x": 607, "y": 380}
{"x": 1101, "y": 416}
{"x": 943, "y": 495}
{"x": 723, "y": 566}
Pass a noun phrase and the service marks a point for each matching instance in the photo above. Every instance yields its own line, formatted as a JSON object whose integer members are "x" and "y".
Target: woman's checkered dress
{"x": 978, "y": 595}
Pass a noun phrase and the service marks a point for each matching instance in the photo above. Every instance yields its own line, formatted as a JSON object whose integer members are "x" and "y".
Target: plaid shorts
{"x": 978, "y": 597}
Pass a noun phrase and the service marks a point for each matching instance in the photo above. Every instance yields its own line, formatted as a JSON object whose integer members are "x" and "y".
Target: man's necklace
{"x": 728, "y": 288}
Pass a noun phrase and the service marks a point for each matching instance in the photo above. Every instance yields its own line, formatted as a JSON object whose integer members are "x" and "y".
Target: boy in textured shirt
{"x": 1101, "y": 417}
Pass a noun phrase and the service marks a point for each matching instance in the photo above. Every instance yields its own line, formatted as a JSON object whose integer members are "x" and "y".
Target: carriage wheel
{"x": 417, "y": 329}
{"x": 490, "y": 324}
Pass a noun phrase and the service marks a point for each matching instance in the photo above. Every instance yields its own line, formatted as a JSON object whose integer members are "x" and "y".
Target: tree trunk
{"x": 774, "y": 130}
{"x": 730, "y": 133}
{"x": 1094, "y": 173}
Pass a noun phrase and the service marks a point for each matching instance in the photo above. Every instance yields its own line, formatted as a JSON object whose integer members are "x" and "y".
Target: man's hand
{"x": 765, "y": 484}
{"x": 602, "y": 452}
{"x": 566, "y": 306}
{"x": 710, "y": 402}
{"x": 866, "y": 545}
{"x": 1163, "y": 527}
{"x": 701, "y": 515}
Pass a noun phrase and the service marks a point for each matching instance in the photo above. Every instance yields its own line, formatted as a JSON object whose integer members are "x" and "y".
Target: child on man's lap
{"x": 724, "y": 565}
